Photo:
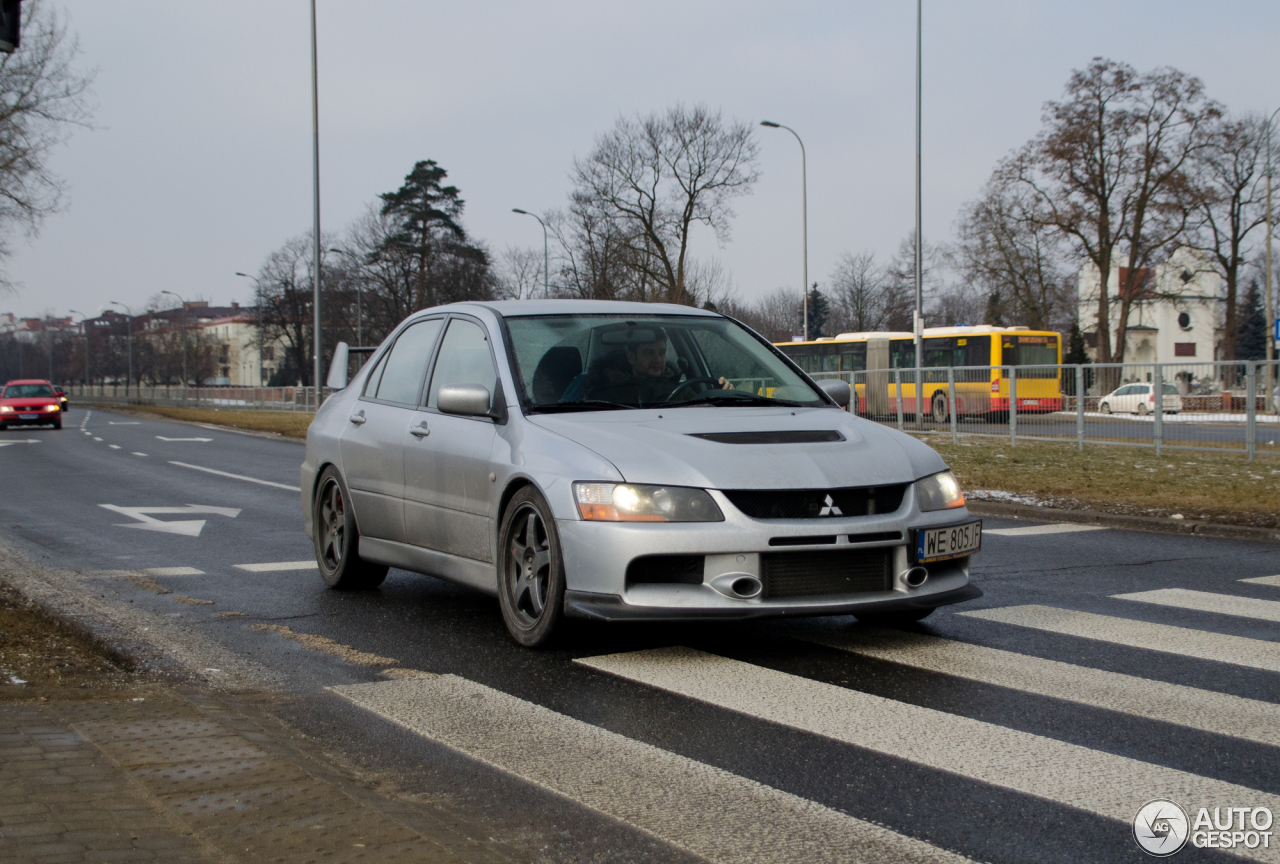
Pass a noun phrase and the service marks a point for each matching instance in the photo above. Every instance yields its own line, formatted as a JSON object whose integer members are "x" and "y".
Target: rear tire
{"x": 337, "y": 538}
{"x": 531, "y": 582}
{"x": 1142, "y": 409}
{"x": 895, "y": 618}
{"x": 1105, "y": 407}
{"x": 940, "y": 412}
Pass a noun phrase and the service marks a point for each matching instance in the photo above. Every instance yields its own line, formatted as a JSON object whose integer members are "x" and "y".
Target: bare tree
{"x": 861, "y": 293}
{"x": 43, "y": 98}
{"x": 1230, "y": 171}
{"x": 519, "y": 274}
{"x": 775, "y": 316}
{"x": 651, "y": 179}
{"x": 1110, "y": 171}
{"x": 1006, "y": 251}
{"x": 284, "y": 290}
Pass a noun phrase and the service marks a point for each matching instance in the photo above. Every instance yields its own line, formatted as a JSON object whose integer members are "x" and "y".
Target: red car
{"x": 29, "y": 402}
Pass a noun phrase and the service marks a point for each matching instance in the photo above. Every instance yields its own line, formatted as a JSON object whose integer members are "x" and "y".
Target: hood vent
{"x": 782, "y": 436}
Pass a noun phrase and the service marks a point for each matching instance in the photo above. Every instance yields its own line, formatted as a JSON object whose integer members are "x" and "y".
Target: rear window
{"x": 28, "y": 391}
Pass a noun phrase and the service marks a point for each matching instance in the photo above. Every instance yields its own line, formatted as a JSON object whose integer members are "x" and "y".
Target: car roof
{"x": 513, "y": 308}
{"x": 28, "y": 381}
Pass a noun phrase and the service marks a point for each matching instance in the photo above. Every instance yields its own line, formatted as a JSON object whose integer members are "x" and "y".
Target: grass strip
{"x": 288, "y": 424}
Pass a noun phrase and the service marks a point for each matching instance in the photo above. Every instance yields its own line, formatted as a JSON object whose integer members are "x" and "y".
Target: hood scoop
{"x": 782, "y": 436}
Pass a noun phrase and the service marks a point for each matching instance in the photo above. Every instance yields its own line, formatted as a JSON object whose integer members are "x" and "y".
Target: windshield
{"x": 581, "y": 362}
{"x": 27, "y": 391}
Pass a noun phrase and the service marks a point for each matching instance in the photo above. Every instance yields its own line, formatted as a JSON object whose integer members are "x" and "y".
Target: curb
{"x": 1156, "y": 524}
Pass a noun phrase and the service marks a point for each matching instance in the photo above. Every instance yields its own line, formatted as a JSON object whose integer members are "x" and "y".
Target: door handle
{"x": 357, "y": 418}
{"x": 420, "y": 431}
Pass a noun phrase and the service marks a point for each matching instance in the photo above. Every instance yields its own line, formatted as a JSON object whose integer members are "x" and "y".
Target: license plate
{"x": 954, "y": 541}
{"x": 28, "y": 416}
{"x": 1035, "y": 402}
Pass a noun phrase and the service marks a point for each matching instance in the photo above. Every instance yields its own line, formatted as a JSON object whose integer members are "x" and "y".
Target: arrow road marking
{"x": 23, "y": 441}
{"x": 162, "y": 438}
{"x": 188, "y": 527}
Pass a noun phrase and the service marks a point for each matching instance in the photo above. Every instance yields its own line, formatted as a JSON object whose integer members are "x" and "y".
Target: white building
{"x": 1176, "y": 317}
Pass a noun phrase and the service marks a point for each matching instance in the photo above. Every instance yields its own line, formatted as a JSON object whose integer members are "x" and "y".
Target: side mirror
{"x": 338, "y": 368}
{"x": 468, "y": 400}
{"x": 837, "y": 390}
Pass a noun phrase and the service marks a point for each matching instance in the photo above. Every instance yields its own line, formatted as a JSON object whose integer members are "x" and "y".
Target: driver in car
{"x": 638, "y": 375}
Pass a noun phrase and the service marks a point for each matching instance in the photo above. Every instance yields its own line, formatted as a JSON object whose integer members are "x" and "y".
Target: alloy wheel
{"x": 333, "y": 525}
{"x": 529, "y": 566}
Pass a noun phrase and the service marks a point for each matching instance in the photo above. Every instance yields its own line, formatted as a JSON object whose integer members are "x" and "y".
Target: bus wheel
{"x": 939, "y": 408}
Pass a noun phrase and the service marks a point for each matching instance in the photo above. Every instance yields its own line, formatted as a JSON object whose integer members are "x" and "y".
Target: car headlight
{"x": 629, "y": 502}
{"x": 53, "y": 407}
{"x": 939, "y": 491}
{"x": 6, "y": 408}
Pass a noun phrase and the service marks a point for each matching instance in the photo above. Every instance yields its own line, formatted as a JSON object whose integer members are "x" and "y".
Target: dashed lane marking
{"x": 123, "y": 423}
{"x": 114, "y": 446}
{"x": 96, "y": 438}
{"x": 136, "y": 453}
{"x": 1096, "y": 782}
{"x": 173, "y": 571}
{"x": 162, "y": 438}
{"x": 1264, "y": 580}
{"x": 660, "y": 793}
{"x": 1219, "y": 713}
{"x": 1183, "y": 641}
{"x": 1032, "y": 530}
{"x": 20, "y": 441}
{"x": 236, "y": 476}
{"x": 277, "y": 565}
{"x": 1207, "y": 601}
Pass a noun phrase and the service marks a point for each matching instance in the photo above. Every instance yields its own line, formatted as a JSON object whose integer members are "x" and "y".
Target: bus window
{"x": 803, "y": 355}
{"x": 853, "y": 358}
{"x": 977, "y": 349}
{"x": 1018, "y": 350}
{"x": 829, "y": 359}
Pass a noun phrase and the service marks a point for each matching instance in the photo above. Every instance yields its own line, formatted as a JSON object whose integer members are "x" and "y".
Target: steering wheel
{"x": 713, "y": 383}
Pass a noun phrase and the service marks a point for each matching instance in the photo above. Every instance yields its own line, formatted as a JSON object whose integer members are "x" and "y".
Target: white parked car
{"x": 1140, "y": 399}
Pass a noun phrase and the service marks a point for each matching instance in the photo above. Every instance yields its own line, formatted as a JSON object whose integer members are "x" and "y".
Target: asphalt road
{"x": 1030, "y": 725}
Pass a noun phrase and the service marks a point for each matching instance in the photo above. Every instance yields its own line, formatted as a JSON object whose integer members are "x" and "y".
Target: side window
{"x": 464, "y": 359}
{"x": 407, "y": 363}
{"x": 371, "y": 383}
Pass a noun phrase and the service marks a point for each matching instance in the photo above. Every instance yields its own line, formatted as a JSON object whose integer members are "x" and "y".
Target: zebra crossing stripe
{"x": 1264, "y": 580}
{"x": 1205, "y": 710}
{"x": 699, "y": 808}
{"x": 1183, "y": 641}
{"x": 1032, "y": 530}
{"x": 1095, "y": 782}
{"x": 1206, "y": 601}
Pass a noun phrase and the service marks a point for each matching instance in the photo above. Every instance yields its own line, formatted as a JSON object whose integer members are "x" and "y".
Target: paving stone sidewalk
{"x": 171, "y": 778}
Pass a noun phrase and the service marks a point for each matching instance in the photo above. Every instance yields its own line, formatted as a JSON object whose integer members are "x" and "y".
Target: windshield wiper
{"x": 584, "y": 405}
{"x": 730, "y": 397}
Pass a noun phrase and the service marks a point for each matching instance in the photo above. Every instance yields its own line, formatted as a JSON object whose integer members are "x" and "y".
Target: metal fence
{"x": 242, "y": 398}
{"x": 1231, "y": 406}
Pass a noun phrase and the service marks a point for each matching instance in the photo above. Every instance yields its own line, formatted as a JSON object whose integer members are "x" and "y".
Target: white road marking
{"x": 1102, "y": 783}
{"x": 237, "y": 476}
{"x": 189, "y": 528}
{"x": 1206, "y": 601}
{"x": 173, "y": 571}
{"x": 162, "y": 438}
{"x": 114, "y": 446}
{"x": 1264, "y": 580}
{"x": 704, "y": 810}
{"x": 20, "y": 441}
{"x": 136, "y": 453}
{"x": 277, "y": 565}
{"x": 1205, "y": 710}
{"x": 132, "y": 422}
{"x": 1183, "y": 641}
{"x": 96, "y": 438}
{"x": 1031, "y": 530}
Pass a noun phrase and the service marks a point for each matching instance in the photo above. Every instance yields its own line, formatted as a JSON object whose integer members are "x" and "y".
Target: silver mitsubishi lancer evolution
{"x": 624, "y": 461}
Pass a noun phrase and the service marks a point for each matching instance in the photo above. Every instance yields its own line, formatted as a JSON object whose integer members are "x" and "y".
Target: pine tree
{"x": 1251, "y": 338}
{"x": 995, "y": 310}
{"x": 1075, "y": 346}
{"x": 819, "y": 312}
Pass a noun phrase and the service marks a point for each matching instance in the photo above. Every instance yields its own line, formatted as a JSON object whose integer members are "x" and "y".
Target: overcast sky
{"x": 201, "y": 162}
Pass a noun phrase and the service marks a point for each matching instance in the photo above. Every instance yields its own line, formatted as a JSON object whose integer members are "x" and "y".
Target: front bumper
{"x": 40, "y": 419}
{"x": 597, "y": 556}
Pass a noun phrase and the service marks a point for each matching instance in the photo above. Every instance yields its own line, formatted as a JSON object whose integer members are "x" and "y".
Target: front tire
{"x": 57, "y": 424}
{"x": 1142, "y": 409}
{"x": 940, "y": 412}
{"x": 337, "y": 539}
{"x": 531, "y": 581}
{"x": 1105, "y": 407}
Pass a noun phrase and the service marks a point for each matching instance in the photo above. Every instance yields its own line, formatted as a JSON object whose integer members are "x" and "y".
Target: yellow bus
{"x": 979, "y": 391}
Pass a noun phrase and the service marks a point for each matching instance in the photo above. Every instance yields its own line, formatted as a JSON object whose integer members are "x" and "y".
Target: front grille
{"x": 809, "y": 574}
{"x": 665, "y": 570}
{"x": 812, "y": 503}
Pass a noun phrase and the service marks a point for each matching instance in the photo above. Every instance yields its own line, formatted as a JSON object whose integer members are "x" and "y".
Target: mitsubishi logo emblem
{"x": 829, "y": 508}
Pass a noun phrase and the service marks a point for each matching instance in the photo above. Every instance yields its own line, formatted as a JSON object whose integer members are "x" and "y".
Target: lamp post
{"x": 315, "y": 161}
{"x": 917, "y": 325}
{"x": 48, "y": 343}
{"x": 84, "y": 325}
{"x": 184, "y": 337}
{"x": 130, "y": 332}
{"x": 546, "y": 281}
{"x": 261, "y": 338}
{"x": 804, "y": 218}
{"x": 359, "y": 311}
{"x": 1271, "y": 287}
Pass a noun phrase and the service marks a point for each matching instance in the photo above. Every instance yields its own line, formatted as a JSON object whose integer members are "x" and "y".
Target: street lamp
{"x": 315, "y": 139}
{"x": 804, "y": 209}
{"x": 130, "y": 331}
{"x": 184, "y": 337}
{"x": 84, "y": 325}
{"x": 917, "y": 325}
{"x": 1271, "y": 288}
{"x": 546, "y": 291}
{"x": 359, "y": 312}
{"x": 261, "y": 371}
